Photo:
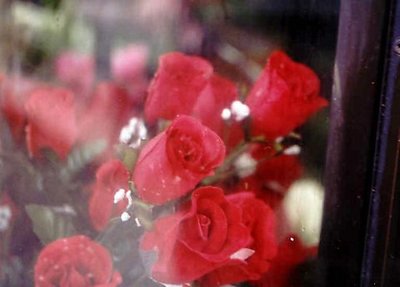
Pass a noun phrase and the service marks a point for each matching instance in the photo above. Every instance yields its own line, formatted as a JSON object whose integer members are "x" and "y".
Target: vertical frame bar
{"x": 381, "y": 256}
{"x": 351, "y": 143}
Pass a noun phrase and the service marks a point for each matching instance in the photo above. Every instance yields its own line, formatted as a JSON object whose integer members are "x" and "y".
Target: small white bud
{"x": 226, "y": 114}
{"x": 240, "y": 110}
{"x": 125, "y": 216}
{"x": 133, "y": 122}
{"x": 292, "y": 150}
{"x": 137, "y": 221}
{"x": 119, "y": 195}
{"x": 135, "y": 129}
{"x": 245, "y": 165}
{"x": 125, "y": 134}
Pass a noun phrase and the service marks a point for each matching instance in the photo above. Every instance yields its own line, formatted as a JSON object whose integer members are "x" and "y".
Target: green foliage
{"x": 50, "y": 223}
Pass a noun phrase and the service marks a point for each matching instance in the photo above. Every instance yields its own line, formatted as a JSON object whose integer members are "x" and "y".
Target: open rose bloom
{"x": 154, "y": 159}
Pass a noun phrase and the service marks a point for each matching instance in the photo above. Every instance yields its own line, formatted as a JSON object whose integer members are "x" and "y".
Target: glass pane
{"x": 163, "y": 143}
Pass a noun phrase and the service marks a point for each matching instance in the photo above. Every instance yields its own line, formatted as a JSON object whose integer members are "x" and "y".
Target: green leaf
{"x": 50, "y": 223}
{"x": 84, "y": 154}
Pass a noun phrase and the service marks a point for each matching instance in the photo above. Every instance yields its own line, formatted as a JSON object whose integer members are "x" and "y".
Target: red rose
{"x": 200, "y": 237}
{"x": 176, "y": 86}
{"x": 14, "y": 92}
{"x": 110, "y": 177}
{"x": 273, "y": 176}
{"x": 173, "y": 162}
{"x": 75, "y": 261}
{"x": 51, "y": 121}
{"x": 284, "y": 97}
{"x": 108, "y": 111}
{"x": 291, "y": 253}
{"x": 218, "y": 94}
{"x": 260, "y": 220}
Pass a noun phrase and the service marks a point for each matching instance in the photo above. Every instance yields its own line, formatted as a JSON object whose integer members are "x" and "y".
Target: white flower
{"x": 239, "y": 110}
{"x": 135, "y": 131}
{"x": 245, "y": 165}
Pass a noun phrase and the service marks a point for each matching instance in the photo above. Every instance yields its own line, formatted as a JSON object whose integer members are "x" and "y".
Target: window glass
{"x": 163, "y": 143}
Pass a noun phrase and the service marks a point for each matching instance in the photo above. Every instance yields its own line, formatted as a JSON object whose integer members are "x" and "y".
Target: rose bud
{"x": 176, "y": 86}
{"x": 14, "y": 93}
{"x": 172, "y": 163}
{"x": 51, "y": 121}
{"x": 200, "y": 237}
{"x": 75, "y": 261}
{"x": 218, "y": 94}
{"x": 110, "y": 177}
{"x": 284, "y": 97}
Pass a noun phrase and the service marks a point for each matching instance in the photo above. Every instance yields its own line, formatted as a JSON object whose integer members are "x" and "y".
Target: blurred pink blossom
{"x": 76, "y": 70}
{"x": 129, "y": 63}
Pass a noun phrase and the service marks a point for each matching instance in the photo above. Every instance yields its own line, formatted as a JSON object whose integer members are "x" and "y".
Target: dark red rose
{"x": 75, "y": 261}
{"x": 291, "y": 253}
{"x": 173, "y": 162}
{"x": 76, "y": 71}
{"x": 176, "y": 86}
{"x": 200, "y": 237}
{"x": 110, "y": 177}
{"x": 108, "y": 111}
{"x": 273, "y": 175}
{"x": 260, "y": 221}
{"x": 51, "y": 121}
{"x": 284, "y": 97}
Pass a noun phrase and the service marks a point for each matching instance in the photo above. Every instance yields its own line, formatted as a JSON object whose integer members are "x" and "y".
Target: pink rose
{"x": 129, "y": 63}
{"x": 75, "y": 261}
{"x": 76, "y": 70}
{"x": 110, "y": 177}
{"x": 51, "y": 121}
{"x": 173, "y": 162}
{"x": 286, "y": 94}
{"x": 200, "y": 237}
{"x": 176, "y": 86}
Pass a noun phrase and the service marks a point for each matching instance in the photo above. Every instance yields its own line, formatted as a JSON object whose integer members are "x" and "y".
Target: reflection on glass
{"x": 156, "y": 144}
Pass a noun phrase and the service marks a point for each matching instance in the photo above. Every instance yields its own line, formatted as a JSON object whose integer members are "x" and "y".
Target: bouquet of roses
{"x": 185, "y": 188}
